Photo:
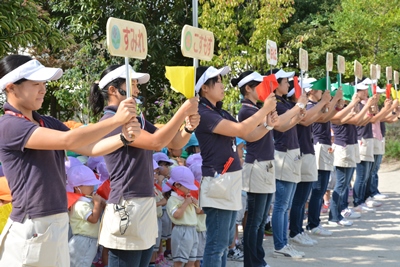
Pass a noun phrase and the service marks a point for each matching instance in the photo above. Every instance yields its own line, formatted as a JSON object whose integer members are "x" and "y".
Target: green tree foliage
{"x": 241, "y": 29}
{"x": 24, "y": 24}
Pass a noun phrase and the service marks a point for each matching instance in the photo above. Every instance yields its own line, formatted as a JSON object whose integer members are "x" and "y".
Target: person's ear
{"x": 248, "y": 89}
{"x": 112, "y": 90}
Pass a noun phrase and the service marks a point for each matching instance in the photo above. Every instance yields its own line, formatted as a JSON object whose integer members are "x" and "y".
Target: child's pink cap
{"x": 81, "y": 175}
{"x": 181, "y": 175}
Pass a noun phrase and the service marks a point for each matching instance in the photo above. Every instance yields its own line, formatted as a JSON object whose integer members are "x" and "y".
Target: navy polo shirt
{"x": 321, "y": 131}
{"x": 285, "y": 140}
{"x": 215, "y": 148}
{"x": 345, "y": 134}
{"x": 364, "y": 131}
{"x": 36, "y": 177}
{"x": 262, "y": 149}
{"x": 383, "y": 128}
{"x": 304, "y": 134}
{"x": 130, "y": 168}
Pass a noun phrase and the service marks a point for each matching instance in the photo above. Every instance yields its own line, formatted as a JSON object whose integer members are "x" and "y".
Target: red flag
{"x": 297, "y": 88}
{"x": 72, "y": 198}
{"x": 104, "y": 189}
{"x": 195, "y": 194}
{"x": 388, "y": 88}
{"x": 264, "y": 88}
{"x": 374, "y": 89}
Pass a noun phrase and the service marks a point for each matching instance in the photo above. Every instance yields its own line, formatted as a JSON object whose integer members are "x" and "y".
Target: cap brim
{"x": 141, "y": 77}
{"x": 291, "y": 92}
{"x": 45, "y": 74}
{"x": 91, "y": 182}
{"x": 190, "y": 186}
{"x": 283, "y": 74}
{"x": 222, "y": 71}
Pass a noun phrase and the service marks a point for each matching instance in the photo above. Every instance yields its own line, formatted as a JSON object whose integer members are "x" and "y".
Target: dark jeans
{"x": 360, "y": 185}
{"x": 298, "y": 205}
{"x": 343, "y": 178}
{"x": 318, "y": 190}
{"x": 129, "y": 258}
{"x": 372, "y": 185}
{"x": 257, "y": 214}
{"x": 221, "y": 226}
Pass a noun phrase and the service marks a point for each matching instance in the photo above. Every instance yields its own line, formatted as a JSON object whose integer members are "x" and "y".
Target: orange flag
{"x": 297, "y": 88}
{"x": 388, "y": 89}
{"x": 72, "y": 198}
{"x": 264, "y": 88}
{"x": 104, "y": 189}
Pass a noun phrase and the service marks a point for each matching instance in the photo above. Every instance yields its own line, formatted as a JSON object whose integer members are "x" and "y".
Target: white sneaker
{"x": 319, "y": 230}
{"x": 363, "y": 208}
{"x": 349, "y": 213}
{"x": 343, "y": 222}
{"x": 380, "y": 196}
{"x": 299, "y": 239}
{"x": 372, "y": 203}
{"x": 301, "y": 253}
{"x": 288, "y": 251}
{"x": 307, "y": 237}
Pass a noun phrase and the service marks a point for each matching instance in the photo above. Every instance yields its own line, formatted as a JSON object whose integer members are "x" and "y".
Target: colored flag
{"x": 394, "y": 93}
{"x": 72, "y": 198}
{"x": 104, "y": 189}
{"x": 264, "y": 88}
{"x": 388, "y": 87}
{"x": 321, "y": 84}
{"x": 297, "y": 88}
{"x": 181, "y": 79}
{"x": 348, "y": 92}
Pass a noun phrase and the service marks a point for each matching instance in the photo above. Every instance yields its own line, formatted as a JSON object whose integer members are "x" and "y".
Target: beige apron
{"x": 259, "y": 177}
{"x": 288, "y": 165}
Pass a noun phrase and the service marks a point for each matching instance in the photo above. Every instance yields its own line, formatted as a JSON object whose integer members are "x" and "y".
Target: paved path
{"x": 373, "y": 240}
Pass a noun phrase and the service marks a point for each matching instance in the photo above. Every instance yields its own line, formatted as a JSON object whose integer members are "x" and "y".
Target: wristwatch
{"x": 269, "y": 128}
{"x": 300, "y": 105}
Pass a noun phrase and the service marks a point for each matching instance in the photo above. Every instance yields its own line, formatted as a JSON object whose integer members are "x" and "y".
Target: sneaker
{"x": 307, "y": 237}
{"x": 343, "y": 222}
{"x": 235, "y": 255}
{"x": 324, "y": 208}
{"x": 288, "y": 251}
{"x": 380, "y": 196}
{"x": 319, "y": 230}
{"x": 372, "y": 203}
{"x": 363, "y": 208}
{"x": 300, "y": 240}
{"x": 351, "y": 214}
{"x": 301, "y": 253}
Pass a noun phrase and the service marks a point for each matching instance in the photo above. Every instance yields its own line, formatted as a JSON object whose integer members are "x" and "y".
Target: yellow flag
{"x": 181, "y": 79}
{"x": 394, "y": 93}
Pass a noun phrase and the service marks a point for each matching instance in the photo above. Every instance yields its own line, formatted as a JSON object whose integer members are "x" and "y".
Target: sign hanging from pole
{"x": 389, "y": 73}
{"x": 372, "y": 71}
{"x": 329, "y": 61}
{"x": 272, "y": 53}
{"x": 378, "y": 71}
{"x": 341, "y": 64}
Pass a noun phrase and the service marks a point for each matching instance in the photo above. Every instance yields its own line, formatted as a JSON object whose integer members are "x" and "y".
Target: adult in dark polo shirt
{"x": 308, "y": 172}
{"x": 32, "y": 153}
{"x": 346, "y": 157}
{"x": 287, "y": 162}
{"x": 258, "y": 170}
{"x": 129, "y": 226}
{"x": 220, "y": 194}
{"x": 321, "y": 136}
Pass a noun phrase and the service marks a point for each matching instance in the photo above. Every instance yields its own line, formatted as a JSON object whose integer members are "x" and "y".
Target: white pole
{"x": 195, "y": 9}
{"x": 128, "y": 78}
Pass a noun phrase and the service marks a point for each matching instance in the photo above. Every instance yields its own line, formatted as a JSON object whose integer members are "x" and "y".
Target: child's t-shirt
{"x": 78, "y": 215}
{"x": 189, "y": 217}
{"x": 201, "y": 223}
{"x": 159, "y": 196}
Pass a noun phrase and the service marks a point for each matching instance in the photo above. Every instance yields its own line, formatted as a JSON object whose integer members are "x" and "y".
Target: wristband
{"x": 124, "y": 141}
{"x": 370, "y": 115}
{"x": 338, "y": 109}
{"x": 188, "y": 131}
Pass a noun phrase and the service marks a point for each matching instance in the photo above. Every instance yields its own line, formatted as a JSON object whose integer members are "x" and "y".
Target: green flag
{"x": 321, "y": 84}
{"x": 348, "y": 91}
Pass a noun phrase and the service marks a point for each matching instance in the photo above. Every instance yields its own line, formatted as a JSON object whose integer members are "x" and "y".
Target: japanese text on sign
{"x": 272, "y": 53}
{"x": 126, "y": 38}
{"x": 197, "y": 43}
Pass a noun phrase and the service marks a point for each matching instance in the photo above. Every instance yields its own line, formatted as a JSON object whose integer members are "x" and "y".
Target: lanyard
{"x": 41, "y": 123}
{"x": 207, "y": 106}
{"x": 250, "y": 105}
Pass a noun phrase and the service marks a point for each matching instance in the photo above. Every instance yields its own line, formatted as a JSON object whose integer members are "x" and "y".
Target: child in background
{"x": 5, "y": 202}
{"x": 182, "y": 209}
{"x": 158, "y": 257}
{"x": 164, "y": 164}
{"x": 201, "y": 217}
{"x": 84, "y": 216}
